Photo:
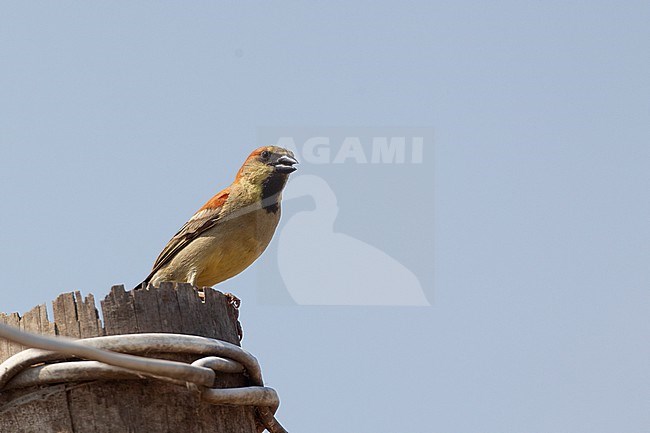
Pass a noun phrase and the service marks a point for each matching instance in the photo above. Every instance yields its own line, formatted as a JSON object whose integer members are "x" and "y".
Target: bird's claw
{"x": 233, "y": 300}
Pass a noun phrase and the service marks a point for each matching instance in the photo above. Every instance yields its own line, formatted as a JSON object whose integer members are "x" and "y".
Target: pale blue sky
{"x": 528, "y": 225}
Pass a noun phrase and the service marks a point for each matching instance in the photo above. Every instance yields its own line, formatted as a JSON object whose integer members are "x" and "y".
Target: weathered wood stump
{"x": 142, "y": 406}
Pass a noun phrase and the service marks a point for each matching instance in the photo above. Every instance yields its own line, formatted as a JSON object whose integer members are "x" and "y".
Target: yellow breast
{"x": 224, "y": 250}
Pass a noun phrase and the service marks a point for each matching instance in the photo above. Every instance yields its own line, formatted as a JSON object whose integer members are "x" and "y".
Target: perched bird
{"x": 233, "y": 228}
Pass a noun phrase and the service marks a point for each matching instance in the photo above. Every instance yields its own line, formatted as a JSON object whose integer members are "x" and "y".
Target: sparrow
{"x": 232, "y": 229}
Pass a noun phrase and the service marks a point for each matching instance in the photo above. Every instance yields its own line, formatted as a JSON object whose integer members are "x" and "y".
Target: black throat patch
{"x": 271, "y": 189}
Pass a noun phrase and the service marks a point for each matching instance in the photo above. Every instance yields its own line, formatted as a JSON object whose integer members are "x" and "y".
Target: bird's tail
{"x": 142, "y": 285}
{"x": 145, "y": 282}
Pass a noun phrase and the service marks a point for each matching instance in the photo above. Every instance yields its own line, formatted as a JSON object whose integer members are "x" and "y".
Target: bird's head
{"x": 267, "y": 162}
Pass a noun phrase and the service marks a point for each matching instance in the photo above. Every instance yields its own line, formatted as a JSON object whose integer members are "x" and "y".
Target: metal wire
{"x": 112, "y": 358}
{"x": 136, "y": 344}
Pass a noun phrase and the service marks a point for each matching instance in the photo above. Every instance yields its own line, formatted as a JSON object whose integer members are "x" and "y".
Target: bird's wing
{"x": 203, "y": 220}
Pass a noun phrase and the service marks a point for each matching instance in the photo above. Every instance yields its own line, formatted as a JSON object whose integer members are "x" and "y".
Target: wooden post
{"x": 127, "y": 406}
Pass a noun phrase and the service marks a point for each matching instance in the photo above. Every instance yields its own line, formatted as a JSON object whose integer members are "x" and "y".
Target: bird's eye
{"x": 265, "y": 154}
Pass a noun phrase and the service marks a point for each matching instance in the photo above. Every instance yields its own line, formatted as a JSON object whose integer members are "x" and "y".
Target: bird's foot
{"x": 233, "y": 300}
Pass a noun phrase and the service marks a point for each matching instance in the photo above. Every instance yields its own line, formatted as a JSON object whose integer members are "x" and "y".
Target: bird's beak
{"x": 285, "y": 164}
